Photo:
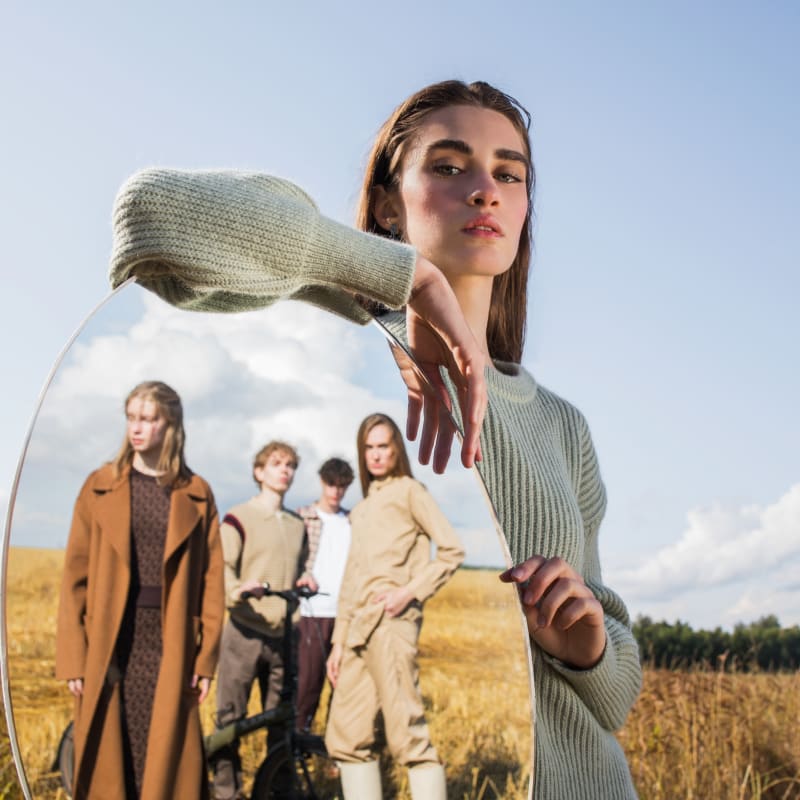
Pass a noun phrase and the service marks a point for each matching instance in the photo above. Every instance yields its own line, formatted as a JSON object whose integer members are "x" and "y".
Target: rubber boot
{"x": 361, "y": 780}
{"x": 427, "y": 782}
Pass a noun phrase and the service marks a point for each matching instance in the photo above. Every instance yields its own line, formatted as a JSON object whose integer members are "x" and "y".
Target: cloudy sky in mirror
{"x": 291, "y": 372}
{"x": 665, "y": 278}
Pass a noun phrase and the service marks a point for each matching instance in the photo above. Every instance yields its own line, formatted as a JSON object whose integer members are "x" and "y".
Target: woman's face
{"x": 463, "y": 198}
{"x": 146, "y": 426}
{"x": 380, "y": 454}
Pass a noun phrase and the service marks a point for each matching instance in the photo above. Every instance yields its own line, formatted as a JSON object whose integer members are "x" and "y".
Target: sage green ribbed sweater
{"x": 226, "y": 241}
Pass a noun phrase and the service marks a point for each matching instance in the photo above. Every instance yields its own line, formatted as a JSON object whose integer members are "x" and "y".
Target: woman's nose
{"x": 483, "y": 191}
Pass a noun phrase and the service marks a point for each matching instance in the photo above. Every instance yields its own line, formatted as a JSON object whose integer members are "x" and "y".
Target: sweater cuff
{"x": 363, "y": 263}
{"x": 609, "y": 687}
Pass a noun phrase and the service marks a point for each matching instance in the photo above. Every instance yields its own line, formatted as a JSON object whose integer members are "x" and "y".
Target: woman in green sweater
{"x": 450, "y": 178}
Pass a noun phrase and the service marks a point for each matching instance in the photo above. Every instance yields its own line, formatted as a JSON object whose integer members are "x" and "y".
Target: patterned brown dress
{"x": 139, "y": 643}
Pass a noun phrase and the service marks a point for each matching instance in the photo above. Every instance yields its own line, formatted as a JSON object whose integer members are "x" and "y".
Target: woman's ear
{"x": 384, "y": 204}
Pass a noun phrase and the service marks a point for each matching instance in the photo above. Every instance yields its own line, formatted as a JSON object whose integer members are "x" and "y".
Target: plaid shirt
{"x": 313, "y": 531}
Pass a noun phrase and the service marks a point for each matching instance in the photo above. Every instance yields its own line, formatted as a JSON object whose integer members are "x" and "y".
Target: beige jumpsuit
{"x": 392, "y": 531}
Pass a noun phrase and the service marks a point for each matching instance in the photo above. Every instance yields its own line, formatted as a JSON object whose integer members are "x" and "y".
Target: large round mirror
{"x": 294, "y": 373}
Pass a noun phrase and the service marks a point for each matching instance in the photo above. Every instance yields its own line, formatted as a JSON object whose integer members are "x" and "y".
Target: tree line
{"x": 762, "y": 645}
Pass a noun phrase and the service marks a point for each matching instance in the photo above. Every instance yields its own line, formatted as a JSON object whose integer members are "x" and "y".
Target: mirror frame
{"x": 5, "y": 540}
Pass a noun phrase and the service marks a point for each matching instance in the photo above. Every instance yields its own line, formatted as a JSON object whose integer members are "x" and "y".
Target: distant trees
{"x": 761, "y": 645}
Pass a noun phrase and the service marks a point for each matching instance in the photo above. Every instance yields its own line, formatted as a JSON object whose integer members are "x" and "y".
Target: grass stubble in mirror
{"x": 291, "y": 372}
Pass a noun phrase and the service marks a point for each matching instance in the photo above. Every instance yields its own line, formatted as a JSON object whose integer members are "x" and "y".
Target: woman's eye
{"x": 510, "y": 177}
{"x": 446, "y": 169}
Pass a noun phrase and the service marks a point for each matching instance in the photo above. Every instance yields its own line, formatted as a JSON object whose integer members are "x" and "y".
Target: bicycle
{"x": 298, "y": 768}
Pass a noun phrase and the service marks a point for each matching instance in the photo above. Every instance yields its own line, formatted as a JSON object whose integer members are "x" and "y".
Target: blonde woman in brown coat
{"x": 141, "y": 612}
{"x": 388, "y": 577}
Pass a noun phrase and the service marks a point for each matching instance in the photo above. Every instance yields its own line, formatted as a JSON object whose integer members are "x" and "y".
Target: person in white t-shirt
{"x": 328, "y": 531}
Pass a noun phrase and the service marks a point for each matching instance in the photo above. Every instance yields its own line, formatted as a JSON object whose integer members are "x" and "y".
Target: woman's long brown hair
{"x": 505, "y": 332}
{"x": 171, "y": 463}
{"x": 401, "y": 468}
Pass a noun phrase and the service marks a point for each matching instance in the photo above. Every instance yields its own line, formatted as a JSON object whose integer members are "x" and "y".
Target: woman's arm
{"x": 347, "y": 600}
{"x": 449, "y": 550}
{"x": 234, "y": 241}
{"x": 580, "y": 624}
{"x": 212, "y": 608}
{"x": 70, "y": 628}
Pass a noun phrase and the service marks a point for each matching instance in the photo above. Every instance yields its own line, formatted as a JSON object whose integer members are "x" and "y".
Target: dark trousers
{"x": 313, "y": 651}
{"x": 245, "y": 656}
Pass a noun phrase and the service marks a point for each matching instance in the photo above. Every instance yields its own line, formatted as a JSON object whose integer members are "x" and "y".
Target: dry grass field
{"x": 477, "y": 707}
{"x": 698, "y": 735}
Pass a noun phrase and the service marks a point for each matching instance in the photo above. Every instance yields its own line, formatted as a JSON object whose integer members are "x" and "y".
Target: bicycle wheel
{"x": 65, "y": 759}
{"x": 310, "y": 775}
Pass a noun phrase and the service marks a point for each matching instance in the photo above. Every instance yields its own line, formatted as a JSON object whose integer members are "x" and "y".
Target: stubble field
{"x": 476, "y": 705}
{"x": 700, "y": 735}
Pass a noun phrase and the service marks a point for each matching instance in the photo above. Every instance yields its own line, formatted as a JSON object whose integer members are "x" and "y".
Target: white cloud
{"x": 291, "y": 372}
{"x": 720, "y": 546}
{"x": 729, "y": 565}
{"x": 482, "y": 547}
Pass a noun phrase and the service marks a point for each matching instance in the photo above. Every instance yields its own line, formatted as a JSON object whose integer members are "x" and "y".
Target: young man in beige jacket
{"x": 262, "y": 542}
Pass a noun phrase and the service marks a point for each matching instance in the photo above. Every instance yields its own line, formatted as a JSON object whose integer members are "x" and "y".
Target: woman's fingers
{"x": 564, "y": 617}
{"x": 332, "y": 664}
{"x": 203, "y": 685}
{"x": 439, "y": 336}
{"x": 521, "y": 572}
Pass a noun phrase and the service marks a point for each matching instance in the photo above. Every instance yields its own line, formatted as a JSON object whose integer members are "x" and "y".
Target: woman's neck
{"x": 474, "y": 295}
{"x": 147, "y": 463}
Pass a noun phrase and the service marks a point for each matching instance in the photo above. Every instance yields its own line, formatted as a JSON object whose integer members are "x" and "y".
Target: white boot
{"x": 427, "y": 782}
{"x": 361, "y": 780}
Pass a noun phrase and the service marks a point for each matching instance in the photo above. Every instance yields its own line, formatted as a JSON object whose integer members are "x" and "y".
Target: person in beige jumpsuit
{"x": 389, "y": 575}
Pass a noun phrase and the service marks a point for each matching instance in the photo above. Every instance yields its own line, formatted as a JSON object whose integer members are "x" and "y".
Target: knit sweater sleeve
{"x": 236, "y": 241}
{"x": 610, "y": 688}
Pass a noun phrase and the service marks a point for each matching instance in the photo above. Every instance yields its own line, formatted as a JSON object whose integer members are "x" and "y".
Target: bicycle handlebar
{"x": 286, "y": 594}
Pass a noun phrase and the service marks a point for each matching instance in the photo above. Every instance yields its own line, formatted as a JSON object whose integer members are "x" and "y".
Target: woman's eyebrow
{"x": 460, "y": 146}
{"x": 451, "y": 144}
{"x": 511, "y": 155}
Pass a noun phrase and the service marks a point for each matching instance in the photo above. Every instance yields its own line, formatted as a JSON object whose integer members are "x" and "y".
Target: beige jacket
{"x": 262, "y": 546}
{"x": 392, "y": 531}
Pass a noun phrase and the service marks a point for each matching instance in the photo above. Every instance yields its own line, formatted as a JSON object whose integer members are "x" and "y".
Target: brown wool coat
{"x": 93, "y": 596}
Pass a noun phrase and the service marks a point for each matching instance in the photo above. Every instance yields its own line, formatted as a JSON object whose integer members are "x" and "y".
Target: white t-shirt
{"x": 334, "y": 544}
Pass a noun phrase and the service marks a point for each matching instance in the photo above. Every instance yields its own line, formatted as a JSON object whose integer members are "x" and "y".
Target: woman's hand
{"x": 333, "y": 664}
{"x": 438, "y": 335}
{"x": 75, "y": 685}
{"x": 564, "y": 618}
{"x": 203, "y": 684}
{"x": 395, "y": 601}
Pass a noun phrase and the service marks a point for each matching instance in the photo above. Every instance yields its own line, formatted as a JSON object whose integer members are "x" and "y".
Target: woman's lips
{"x": 483, "y": 226}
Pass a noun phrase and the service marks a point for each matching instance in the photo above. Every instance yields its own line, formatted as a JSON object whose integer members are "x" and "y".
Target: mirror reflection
{"x": 302, "y": 377}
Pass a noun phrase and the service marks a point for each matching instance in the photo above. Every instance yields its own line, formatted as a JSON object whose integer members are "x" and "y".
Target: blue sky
{"x": 666, "y": 275}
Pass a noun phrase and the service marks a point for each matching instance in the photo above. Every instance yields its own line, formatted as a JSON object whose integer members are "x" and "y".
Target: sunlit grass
{"x": 473, "y": 680}
{"x": 698, "y": 734}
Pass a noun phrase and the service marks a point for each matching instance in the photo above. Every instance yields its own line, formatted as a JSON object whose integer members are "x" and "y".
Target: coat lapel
{"x": 187, "y": 507}
{"x": 113, "y": 512}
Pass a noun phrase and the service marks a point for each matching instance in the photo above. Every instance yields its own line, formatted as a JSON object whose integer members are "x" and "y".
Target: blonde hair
{"x": 401, "y": 468}
{"x": 171, "y": 462}
{"x": 505, "y": 330}
{"x": 275, "y": 446}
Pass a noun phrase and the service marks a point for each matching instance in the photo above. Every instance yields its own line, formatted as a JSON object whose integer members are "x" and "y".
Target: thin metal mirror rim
{"x": 6, "y": 538}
